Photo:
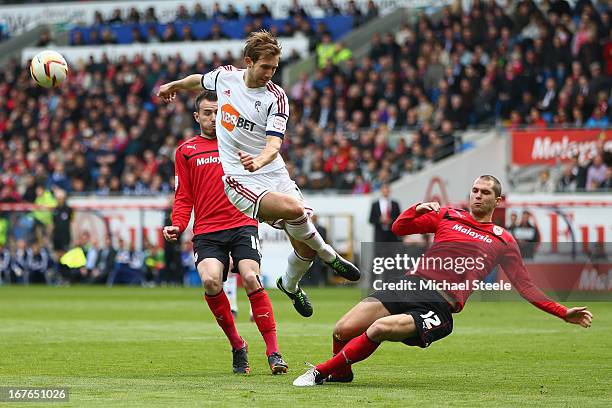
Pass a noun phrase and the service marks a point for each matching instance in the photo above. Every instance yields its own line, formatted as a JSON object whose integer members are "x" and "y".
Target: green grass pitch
{"x": 162, "y": 347}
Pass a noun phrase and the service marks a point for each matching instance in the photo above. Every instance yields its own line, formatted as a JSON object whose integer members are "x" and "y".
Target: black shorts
{"x": 432, "y": 314}
{"x": 239, "y": 243}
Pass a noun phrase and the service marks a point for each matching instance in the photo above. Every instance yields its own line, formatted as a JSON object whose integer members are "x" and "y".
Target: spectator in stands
{"x": 231, "y": 13}
{"x": 263, "y": 12}
{"x": 296, "y": 10}
{"x": 182, "y": 14}
{"x": 129, "y": 266}
{"x": 137, "y": 36}
{"x": 44, "y": 39}
{"x": 62, "y": 218}
{"x": 383, "y": 214}
{"x": 548, "y": 103}
{"x": 105, "y": 262}
{"x": 371, "y": 12}
{"x": 172, "y": 271}
{"x": 5, "y": 264}
{"x": 98, "y": 18}
{"x": 133, "y": 16}
{"x": 198, "y": 12}
{"x": 108, "y": 37}
{"x": 544, "y": 184}
{"x": 150, "y": 16}
{"x": 170, "y": 34}
{"x": 216, "y": 34}
{"x": 598, "y": 120}
{"x": 115, "y": 17}
{"x": 567, "y": 182}
{"x": 526, "y": 235}
{"x": 596, "y": 173}
{"x": 19, "y": 263}
{"x": 37, "y": 264}
{"x": 513, "y": 222}
{"x": 606, "y": 184}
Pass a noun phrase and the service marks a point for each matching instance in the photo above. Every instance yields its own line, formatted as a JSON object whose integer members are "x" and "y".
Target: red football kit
{"x": 458, "y": 236}
{"x": 199, "y": 186}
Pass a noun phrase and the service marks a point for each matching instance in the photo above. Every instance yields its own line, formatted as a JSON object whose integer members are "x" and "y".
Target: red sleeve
{"x": 411, "y": 222}
{"x": 183, "y": 200}
{"x": 515, "y": 269}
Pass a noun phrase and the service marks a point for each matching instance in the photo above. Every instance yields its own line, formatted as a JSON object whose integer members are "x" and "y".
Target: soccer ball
{"x": 48, "y": 68}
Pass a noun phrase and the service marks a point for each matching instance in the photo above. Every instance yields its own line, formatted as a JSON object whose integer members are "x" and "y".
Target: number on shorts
{"x": 255, "y": 244}
{"x": 431, "y": 319}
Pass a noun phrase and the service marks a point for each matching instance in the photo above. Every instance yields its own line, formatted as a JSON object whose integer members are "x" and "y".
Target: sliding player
{"x": 421, "y": 316}
{"x": 220, "y": 231}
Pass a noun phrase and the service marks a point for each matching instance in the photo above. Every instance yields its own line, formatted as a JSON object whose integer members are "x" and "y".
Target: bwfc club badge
{"x": 498, "y": 230}
{"x": 257, "y": 105}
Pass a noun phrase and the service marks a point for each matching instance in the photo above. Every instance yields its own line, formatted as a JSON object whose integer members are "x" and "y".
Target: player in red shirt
{"x": 422, "y": 315}
{"x": 220, "y": 231}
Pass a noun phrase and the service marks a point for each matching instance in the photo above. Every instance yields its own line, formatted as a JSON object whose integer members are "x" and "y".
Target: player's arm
{"x": 422, "y": 218}
{"x": 515, "y": 269}
{"x": 276, "y": 126}
{"x": 167, "y": 92}
{"x": 183, "y": 200}
{"x": 267, "y": 155}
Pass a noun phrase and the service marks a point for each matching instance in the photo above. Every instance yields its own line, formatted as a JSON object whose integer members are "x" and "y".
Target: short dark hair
{"x": 496, "y": 184}
{"x": 204, "y": 95}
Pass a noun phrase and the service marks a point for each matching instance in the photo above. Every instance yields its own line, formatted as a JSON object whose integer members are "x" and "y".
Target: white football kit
{"x": 245, "y": 118}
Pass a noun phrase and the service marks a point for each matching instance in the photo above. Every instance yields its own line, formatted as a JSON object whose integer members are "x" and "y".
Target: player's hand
{"x": 249, "y": 162}
{"x": 166, "y": 92}
{"x": 427, "y": 207}
{"x": 170, "y": 233}
{"x": 579, "y": 315}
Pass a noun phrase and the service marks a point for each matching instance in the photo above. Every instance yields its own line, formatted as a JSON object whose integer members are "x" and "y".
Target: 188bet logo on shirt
{"x": 230, "y": 119}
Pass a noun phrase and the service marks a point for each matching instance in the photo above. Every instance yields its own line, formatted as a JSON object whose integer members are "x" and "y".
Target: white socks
{"x": 303, "y": 230}
{"x": 230, "y": 286}
{"x": 296, "y": 268}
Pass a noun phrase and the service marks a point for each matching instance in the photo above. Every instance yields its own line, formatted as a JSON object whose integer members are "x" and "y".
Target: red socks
{"x": 356, "y": 350}
{"x": 220, "y": 307}
{"x": 264, "y": 319}
{"x": 338, "y": 345}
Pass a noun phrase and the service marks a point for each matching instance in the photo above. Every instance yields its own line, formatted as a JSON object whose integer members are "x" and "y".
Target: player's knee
{"x": 294, "y": 208}
{"x": 378, "y": 331}
{"x": 344, "y": 331}
{"x": 212, "y": 285}
{"x": 250, "y": 281}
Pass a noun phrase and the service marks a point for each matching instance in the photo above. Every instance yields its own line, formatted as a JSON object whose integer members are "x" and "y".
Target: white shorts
{"x": 246, "y": 191}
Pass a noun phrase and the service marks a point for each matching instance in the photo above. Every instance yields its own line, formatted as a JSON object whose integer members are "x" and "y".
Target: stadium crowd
{"x": 144, "y": 25}
{"x": 104, "y": 130}
{"x": 33, "y": 261}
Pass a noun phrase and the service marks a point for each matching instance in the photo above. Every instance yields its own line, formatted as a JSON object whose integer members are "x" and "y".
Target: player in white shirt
{"x": 251, "y": 124}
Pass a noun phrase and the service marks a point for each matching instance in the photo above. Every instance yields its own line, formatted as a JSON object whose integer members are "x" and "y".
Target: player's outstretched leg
{"x": 263, "y": 314}
{"x": 298, "y": 225}
{"x": 211, "y": 273}
{"x": 351, "y": 344}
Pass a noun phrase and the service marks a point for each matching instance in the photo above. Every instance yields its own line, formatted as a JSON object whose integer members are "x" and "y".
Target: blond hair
{"x": 261, "y": 44}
